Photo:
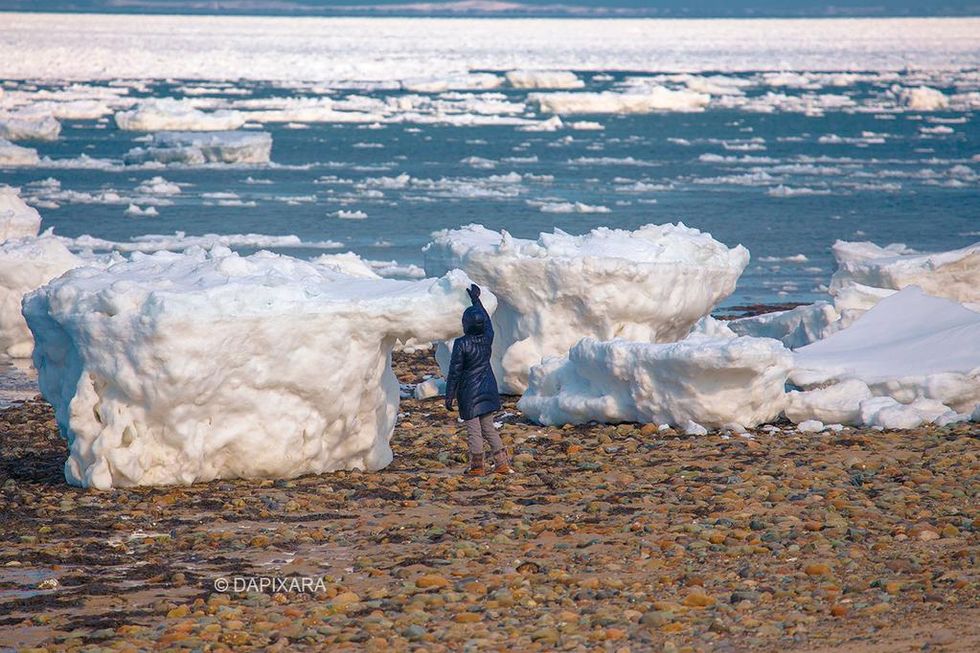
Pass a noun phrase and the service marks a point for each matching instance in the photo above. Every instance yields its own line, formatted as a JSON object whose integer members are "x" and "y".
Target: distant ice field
{"x": 320, "y": 135}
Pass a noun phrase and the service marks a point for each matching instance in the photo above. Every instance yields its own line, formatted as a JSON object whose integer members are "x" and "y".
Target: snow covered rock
{"x": 794, "y": 328}
{"x": 649, "y": 100}
{"x": 543, "y": 79}
{"x": 198, "y": 148}
{"x": 14, "y": 155}
{"x": 647, "y": 285}
{"x": 922, "y": 98}
{"x": 27, "y": 125}
{"x": 177, "y": 368}
{"x": 910, "y": 346}
{"x": 168, "y": 114}
{"x": 17, "y": 219}
{"x": 712, "y": 382}
{"x": 25, "y": 264}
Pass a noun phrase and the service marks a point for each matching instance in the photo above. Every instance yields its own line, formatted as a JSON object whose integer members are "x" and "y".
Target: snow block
{"x": 168, "y": 114}
{"x": 178, "y": 368}
{"x": 199, "y": 148}
{"x": 647, "y": 285}
{"x": 713, "y": 382}
{"x": 17, "y": 218}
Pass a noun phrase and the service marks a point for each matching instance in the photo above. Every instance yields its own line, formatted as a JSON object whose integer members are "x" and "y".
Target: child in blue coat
{"x": 471, "y": 382}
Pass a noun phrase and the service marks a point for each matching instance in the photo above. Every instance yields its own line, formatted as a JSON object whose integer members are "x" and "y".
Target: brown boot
{"x": 501, "y": 462}
{"x": 476, "y": 465}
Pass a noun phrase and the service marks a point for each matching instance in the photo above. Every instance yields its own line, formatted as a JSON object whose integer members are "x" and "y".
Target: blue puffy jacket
{"x": 470, "y": 380}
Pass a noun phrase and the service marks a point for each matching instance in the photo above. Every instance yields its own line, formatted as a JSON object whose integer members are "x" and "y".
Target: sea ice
{"x": 909, "y": 346}
{"x": 544, "y": 79}
{"x": 179, "y": 368}
{"x": 866, "y": 273}
{"x": 29, "y": 125}
{"x": 198, "y": 148}
{"x": 647, "y": 285}
{"x": 657, "y": 98}
{"x": 14, "y": 155}
{"x": 794, "y": 328}
{"x": 17, "y": 219}
{"x": 25, "y": 264}
{"x": 168, "y": 114}
{"x": 713, "y": 382}
{"x": 923, "y": 98}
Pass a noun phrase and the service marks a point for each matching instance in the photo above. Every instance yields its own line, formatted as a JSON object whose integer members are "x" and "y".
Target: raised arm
{"x": 474, "y": 292}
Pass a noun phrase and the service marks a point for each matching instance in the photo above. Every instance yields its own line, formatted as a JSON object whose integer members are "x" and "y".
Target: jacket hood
{"x": 474, "y": 321}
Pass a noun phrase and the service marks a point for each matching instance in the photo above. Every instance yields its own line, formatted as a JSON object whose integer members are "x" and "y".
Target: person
{"x": 471, "y": 382}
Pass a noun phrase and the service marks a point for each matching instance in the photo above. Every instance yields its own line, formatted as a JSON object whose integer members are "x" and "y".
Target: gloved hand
{"x": 474, "y": 292}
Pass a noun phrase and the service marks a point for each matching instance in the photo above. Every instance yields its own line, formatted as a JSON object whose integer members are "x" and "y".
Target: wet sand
{"x": 609, "y": 537}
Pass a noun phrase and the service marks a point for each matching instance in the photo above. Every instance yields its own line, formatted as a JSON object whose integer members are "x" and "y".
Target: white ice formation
{"x": 657, "y": 98}
{"x": 647, "y": 285}
{"x": 544, "y": 79}
{"x": 866, "y": 273}
{"x": 168, "y": 114}
{"x": 17, "y": 219}
{"x": 923, "y": 98}
{"x": 199, "y": 148}
{"x": 25, "y": 264}
{"x": 223, "y": 366}
{"x": 14, "y": 155}
{"x": 794, "y": 328}
{"x": 909, "y": 347}
{"x": 29, "y": 126}
{"x": 727, "y": 382}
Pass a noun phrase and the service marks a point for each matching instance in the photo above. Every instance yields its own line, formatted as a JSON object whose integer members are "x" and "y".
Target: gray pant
{"x": 479, "y": 429}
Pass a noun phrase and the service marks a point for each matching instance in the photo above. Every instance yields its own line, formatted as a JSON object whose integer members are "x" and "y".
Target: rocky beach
{"x": 617, "y": 538}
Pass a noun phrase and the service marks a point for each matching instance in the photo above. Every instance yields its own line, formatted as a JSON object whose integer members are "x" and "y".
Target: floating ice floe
{"x": 544, "y": 79}
{"x": 168, "y": 114}
{"x": 651, "y": 285}
{"x": 14, "y": 155}
{"x": 649, "y": 100}
{"x": 179, "y": 368}
{"x": 908, "y": 355}
{"x": 28, "y": 125}
{"x": 922, "y": 98}
{"x": 727, "y": 382}
{"x": 198, "y": 148}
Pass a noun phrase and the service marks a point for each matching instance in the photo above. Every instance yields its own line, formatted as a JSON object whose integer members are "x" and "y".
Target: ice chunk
{"x": 544, "y": 79}
{"x": 28, "y": 125}
{"x": 909, "y": 346}
{"x": 954, "y": 274}
{"x": 168, "y": 114}
{"x": 657, "y": 98}
{"x": 17, "y": 219}
{"x": 923, "y": 98}
{"x": 430, "y": 388}
{"x": 15, "y": 155}
{"x": 25, "y": 264}
{"x": 347, "y": 263}
{"x": 178, "y": 368}
{"x": 839, "y": 403}
{"x": 795, "y": 328}
{"x": 198, "y": 148}
{"x": 158, "y": 186}
{"x": 648, "y": 285}
{"x": 714, "y": 382}
{"x": 811, "y": 426}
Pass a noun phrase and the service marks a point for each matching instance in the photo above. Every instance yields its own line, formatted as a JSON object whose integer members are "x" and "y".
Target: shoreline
{"x": 608, "y": 537}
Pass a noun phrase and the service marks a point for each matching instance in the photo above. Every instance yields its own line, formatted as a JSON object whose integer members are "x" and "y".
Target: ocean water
{"x": 784, "y": 161}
